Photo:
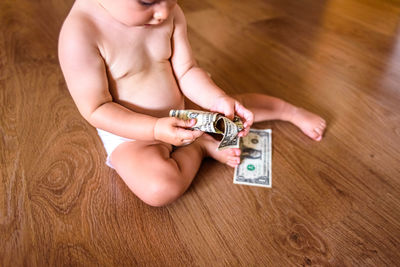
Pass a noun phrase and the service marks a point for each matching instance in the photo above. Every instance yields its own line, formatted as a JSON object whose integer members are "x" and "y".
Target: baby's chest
{"x": 137, "y": 52}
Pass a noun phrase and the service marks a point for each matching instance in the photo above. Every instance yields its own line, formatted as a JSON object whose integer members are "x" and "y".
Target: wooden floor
{"x": 334, "y": 203}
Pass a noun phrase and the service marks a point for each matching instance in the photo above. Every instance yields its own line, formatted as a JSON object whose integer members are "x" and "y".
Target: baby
{"x": 126, "y": 64}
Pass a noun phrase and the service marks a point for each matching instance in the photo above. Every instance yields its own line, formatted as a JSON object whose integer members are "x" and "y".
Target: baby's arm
{"x": 195, "y": 83}
{"x": 85, "y": 74}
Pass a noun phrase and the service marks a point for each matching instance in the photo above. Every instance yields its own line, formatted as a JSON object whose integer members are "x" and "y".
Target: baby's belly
{"x": 154, "y": 92}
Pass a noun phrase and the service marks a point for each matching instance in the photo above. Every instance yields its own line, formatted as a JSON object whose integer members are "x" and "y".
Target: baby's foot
{"x": 230, "y": 156}
{"x": 311, "y": 124}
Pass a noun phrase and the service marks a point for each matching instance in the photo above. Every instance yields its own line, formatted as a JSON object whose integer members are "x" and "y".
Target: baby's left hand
{"x": 231, "y": 107}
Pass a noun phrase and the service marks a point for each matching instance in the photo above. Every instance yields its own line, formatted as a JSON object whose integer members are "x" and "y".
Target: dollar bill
{"x": 255, "y": 165}
{"x": 211, "y": 122}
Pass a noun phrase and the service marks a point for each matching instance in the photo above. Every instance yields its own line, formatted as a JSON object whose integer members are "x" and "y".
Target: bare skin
{"x": 126, "y": 64}
{"x": 267, "y": 108}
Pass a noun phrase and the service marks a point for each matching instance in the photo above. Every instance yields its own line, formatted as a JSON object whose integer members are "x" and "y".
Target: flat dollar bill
{"x": 255, "y": 166}
{"x": 211, "y": 122}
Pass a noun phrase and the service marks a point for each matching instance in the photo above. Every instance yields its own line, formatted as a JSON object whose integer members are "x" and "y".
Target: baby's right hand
{"x": 172, "y": 130}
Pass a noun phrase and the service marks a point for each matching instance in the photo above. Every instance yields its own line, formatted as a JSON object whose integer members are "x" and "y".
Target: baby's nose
{"x": 161, "y": 12}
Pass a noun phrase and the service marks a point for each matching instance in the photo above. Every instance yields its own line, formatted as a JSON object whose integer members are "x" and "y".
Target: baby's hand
{"x": 172, "y": 130}
{"x": 230, "y": 107}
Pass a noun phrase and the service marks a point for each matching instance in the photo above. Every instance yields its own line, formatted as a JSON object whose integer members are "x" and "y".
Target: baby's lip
{"x": 154, "y": 23}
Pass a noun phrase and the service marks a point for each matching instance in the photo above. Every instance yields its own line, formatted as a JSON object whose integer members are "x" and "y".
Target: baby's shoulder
{"x": 178, "y": 13}
{"x": 78, "y": 24}
{"x": 78, "y": 37}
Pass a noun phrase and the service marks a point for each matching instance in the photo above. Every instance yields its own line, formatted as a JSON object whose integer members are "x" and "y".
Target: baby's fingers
{"x": 185, "y": 123}
{"x": 243, "y": 132}
{"x": 197, "y": 134}
{"x": 245, "y": 114}
{"x": 187, "y": 136}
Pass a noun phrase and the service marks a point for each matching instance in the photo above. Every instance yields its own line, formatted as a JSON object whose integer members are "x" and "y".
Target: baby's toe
{"x": 314, "y": 134}
{"x": 234, "y": 152}
{"x": 318, "y": 133}
{"x": 319, "y": 130}
{"x": 232, "y": 164}
{"x": 233, "y": 161}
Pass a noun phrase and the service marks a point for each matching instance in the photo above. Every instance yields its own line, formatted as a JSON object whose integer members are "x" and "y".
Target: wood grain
{"x": 334, "y": 203}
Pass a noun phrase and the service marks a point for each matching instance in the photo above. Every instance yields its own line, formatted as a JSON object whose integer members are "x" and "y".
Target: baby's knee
{"x": 162, "y": 191}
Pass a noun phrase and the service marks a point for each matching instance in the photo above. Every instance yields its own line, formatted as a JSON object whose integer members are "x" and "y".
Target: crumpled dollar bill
{"x": 211, "y": 122}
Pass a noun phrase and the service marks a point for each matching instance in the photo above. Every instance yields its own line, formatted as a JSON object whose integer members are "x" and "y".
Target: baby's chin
{"x": 138, "y": 23}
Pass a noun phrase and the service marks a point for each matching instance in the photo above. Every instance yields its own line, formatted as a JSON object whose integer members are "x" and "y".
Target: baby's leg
{"x": 153, "y": 172}
{"x": 158, "y": 175}
{"x": 267, "y": 107}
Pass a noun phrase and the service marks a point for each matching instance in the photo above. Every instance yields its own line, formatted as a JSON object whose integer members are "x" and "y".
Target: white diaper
{"x": 110, "y": 142}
